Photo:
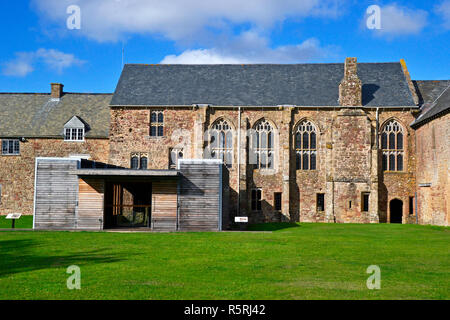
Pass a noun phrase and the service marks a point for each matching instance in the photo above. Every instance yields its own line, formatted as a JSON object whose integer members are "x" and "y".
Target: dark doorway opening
{"x": 396, "y": 210}
{"x": 128, "y": 204}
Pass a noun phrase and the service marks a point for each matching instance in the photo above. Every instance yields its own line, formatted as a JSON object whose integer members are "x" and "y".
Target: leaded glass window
{"x": 221, "y": 142}
{"x": 306, "y": 146}
{"x": 263, "y": 145}
{"x": 392, "y": 146}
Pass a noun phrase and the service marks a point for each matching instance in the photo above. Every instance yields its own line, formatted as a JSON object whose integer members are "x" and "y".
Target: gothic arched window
{"x": 221, "y": 142}
{"x": 143, "y": 163}
{"x": 139, "y": 160}
{"x": 134, "y": 162}
{"x": 306, "y": 146}
{"x": 392, "y": 146}
{"x": 263, "y": 145}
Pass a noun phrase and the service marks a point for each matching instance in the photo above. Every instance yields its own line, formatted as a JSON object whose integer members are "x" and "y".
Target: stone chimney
{"x": 57, "y": 90}
{"x": 350, "y": 89}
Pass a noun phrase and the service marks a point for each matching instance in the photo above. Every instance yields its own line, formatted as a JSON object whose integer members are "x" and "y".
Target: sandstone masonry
{"x": 345, "y": 167}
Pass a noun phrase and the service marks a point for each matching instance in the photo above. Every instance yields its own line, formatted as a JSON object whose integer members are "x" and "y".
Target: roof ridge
{"x": 440, "y": 95}
{"x": 251, "y": 64}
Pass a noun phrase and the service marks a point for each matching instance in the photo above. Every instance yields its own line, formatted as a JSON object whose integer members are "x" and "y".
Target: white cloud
{"x": 249, "y": 47}
{"x": 443, "y": 10}
{"x": 24, "y": 62}
{"x": 397, "y": 20}
{"x": 202, "y": 56}
{"x": 110, "y": 20}
{"x": 57, "y": 60}
{"x": 20, "y": 66}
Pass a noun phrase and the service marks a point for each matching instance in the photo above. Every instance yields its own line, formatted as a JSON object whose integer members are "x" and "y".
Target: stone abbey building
{"x": 346, "y": 142}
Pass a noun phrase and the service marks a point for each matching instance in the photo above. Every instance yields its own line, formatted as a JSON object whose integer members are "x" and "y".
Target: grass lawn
{"x": 25, "y": 222}
{"x": 294, "y": 261}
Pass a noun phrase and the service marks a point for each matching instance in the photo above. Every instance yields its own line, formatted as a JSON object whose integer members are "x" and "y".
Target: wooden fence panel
{"x": 55, "y": 194}
{"x": 164, "y": 205}
{"x": 200, "y": 196}
{"x": 91, "y": 204}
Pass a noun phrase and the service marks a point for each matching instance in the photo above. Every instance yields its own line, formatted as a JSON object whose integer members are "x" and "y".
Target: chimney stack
{"x": 350, "y": 89}
{"x": 57, "y": 90}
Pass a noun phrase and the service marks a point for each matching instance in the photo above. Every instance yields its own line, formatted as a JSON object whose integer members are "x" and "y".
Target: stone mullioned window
{"x": 306, "y": 146}
{"x": 157, "y": 123}
{"x": 392, "y": 146}
{"x": 139, "y": 161}
{"x": 221, "y": 142}
{"x": 262, "y": 153}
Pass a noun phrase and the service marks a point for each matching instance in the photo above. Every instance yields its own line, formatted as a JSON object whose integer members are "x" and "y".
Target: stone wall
{"x": 433, "y": 171}
{"x": 398, "y": 184}
{"x": 130, "y": 133}
{"x": 348, "y": 161}
{"x": 17, "y": 172}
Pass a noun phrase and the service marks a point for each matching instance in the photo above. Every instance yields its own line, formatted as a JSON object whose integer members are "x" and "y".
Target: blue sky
{"x": 38, "y": 48}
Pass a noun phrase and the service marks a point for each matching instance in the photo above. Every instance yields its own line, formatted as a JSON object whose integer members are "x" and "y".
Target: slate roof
{"x": 434, "y": 98}
{"x": 384, "y": 84}
{"x": 37, "y": 115}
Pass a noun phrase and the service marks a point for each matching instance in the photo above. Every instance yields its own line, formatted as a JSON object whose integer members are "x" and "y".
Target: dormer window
{"x": 74, "y": 130}
{"x": 74, "y": 134}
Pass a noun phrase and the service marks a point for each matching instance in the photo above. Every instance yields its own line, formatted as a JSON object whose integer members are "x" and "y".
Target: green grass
{"x": 294, "y": 261}
{"x": 25, "y": 222}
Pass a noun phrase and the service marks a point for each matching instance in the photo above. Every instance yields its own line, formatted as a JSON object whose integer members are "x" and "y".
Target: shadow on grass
{"x": 27, "y": 255}
{"x": 272, "y": 226}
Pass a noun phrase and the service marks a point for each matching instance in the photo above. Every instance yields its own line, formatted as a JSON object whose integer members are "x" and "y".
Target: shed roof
{"x": 126, "y": 173}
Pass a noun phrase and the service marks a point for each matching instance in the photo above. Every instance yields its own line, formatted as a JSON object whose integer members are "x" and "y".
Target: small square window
{"x": 10, "y": 147}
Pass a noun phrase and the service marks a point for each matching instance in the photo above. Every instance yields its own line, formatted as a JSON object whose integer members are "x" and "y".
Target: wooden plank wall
{"x": 225, "y": 198}
{"x": 55, "y": 194}
{"x": 164, "y": 205}
{"x": 199, "y": 197}
{"x": 90, "y": 204}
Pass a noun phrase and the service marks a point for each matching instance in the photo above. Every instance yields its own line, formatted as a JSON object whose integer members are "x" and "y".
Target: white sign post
{"x": 13, "y": 217}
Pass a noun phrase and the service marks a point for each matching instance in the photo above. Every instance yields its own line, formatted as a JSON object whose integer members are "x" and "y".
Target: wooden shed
{"x": 72, "y": 195}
